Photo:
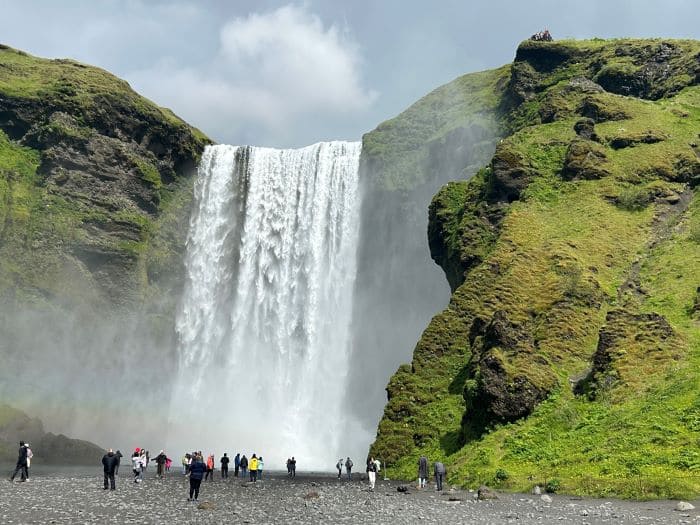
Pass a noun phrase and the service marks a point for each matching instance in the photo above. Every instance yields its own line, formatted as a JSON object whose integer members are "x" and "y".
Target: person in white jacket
{"x": 30, "y": 455}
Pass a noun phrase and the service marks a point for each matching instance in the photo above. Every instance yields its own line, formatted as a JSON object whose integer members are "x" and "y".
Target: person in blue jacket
{"x": 197, "y": 471}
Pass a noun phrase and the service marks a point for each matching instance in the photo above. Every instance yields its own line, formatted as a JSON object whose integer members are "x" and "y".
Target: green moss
{"x": 565, "y": 254}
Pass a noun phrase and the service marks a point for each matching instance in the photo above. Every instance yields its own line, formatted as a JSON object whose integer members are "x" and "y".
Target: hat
{"x": 137, "y": 449}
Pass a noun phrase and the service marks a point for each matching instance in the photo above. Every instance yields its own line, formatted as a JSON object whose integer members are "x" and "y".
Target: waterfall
{"x": 265, "y": 316}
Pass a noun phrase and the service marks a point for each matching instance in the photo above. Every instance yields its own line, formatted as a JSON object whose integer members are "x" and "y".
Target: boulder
{"x": 546, "y": 498}
{"x": 585, "y": 160}
{"x": 627, "y": 140}
{"x": 585, "y": 128}
{"x": 684, "y": 506}
{"x": 485, "y": 493}
{"x": 510, "y": 174}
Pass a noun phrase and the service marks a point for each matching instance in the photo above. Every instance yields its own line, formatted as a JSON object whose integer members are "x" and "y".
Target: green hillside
{"x": 90, "y": 175}
{"x": 569, "y": 354}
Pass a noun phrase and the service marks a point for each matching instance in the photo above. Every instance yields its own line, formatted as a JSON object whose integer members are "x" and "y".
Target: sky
{"x": 288, "y": 74}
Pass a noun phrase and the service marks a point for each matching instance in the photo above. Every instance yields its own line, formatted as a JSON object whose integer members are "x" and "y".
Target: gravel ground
{"x": 73, "y": 498}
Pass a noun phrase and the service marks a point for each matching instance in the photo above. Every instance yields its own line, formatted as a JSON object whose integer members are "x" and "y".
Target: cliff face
{"x": 569, "y": 349}
{"x": 95, "y": 188}
{"x": 447, "y": 134}
{"x": 89, "y": 168}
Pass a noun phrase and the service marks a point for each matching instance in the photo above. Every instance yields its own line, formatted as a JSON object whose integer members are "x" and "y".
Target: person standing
{"x": 348, "y": 468}
{"x": 339, "y": 466}
{"x": 236, "y": 464}
{"x": 423, "y": 469}
{"x": 21, "y": 465}
{"x": 136, "y": 465}
{"x": 244, "y": 466}
{"x": 371, "y": 472}
{"x": 109, "y": 463}
{"x": 293, "y": 465}
{"x": 253, "y": 467}
{"x": 440, "y": 473}
{"x": 261, "y": 464}
{"x": 30, "y": 455}
{"x": 197, "y": 470}
{"x": 224, "y": 466}
{"x": 143, "y": 461}
{"x": 289, "y": 467}
{"x": 119, "y": 455}
{"x": 210, "y": 468}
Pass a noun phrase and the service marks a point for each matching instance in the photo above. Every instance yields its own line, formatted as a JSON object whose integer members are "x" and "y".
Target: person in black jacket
{"x": 21, "y": 463}
{"x": 119, "y": 461}
{"x": 197, "y": 470}
{"x": 160, "y": 462}
{"x": 224, "y": 466}
{"x": 110, "y": 461}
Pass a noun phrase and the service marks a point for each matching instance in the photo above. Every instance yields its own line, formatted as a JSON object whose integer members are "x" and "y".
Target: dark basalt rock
{"x": 510, "y": 174}
{"x": 651, "y": 72}
{"x": 485, "y": 493}
{"x": 585, "y": 128}
{"x": 632, "y": 139}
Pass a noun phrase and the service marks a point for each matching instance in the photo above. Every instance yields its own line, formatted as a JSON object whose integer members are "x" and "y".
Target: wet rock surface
{"x": 75, "y": 498}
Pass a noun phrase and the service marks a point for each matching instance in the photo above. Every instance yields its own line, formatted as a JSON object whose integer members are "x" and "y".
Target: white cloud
{"x": 271, "y": 75}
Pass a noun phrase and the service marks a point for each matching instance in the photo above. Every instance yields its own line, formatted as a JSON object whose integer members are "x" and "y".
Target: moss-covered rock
{"x": 106, "y": 158}
{"x": 574, "y": 276}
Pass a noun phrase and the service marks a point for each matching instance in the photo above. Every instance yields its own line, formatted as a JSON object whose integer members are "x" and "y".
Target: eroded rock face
{"x": 501, "y": 392}
{"x": 107, "y": 157}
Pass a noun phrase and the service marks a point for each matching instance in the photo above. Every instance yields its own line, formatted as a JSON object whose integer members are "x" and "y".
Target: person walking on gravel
{"x": 348, "y": 468}
{"x": 371, "y": 472}
{"x": 119, "y": 455}
{"x": 440, "y": 473}
{"x": 161, "y": 459}
{"x": 339, "y": 466}
{"x": 109, "y": 463}
{"x": 197, "y": 470}
{"x": 293, "y": 467}
{"x": 236, "y": 464}
{"x": 423, "y": 469}
{"x": 21, "y": 465}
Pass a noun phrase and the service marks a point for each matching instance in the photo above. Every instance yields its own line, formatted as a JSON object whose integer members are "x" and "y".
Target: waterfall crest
{"x": 264, "y": 322}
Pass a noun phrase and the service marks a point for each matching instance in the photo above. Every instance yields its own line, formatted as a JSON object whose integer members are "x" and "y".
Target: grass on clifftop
{"x": 25, "y": 76}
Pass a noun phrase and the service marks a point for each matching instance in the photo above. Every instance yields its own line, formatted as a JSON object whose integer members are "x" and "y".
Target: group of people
{"x": 542, "y": 36}
{"x": 24, "y": 459}
{"x": 292, "y": 467}
{"x": 348, "y": 467}
{"x": 439, "y": 471}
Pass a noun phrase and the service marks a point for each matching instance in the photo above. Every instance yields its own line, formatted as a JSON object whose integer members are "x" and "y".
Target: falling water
{"x": 265, "y": 316}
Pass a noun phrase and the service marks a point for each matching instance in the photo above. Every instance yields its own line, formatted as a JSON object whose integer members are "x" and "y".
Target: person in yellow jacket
{"x": 253, "y": 468}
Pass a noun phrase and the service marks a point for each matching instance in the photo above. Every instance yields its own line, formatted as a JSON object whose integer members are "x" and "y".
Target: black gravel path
{"x": 71, "y": 497}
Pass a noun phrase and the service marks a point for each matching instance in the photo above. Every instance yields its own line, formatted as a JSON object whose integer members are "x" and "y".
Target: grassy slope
{"x": 38, "y": 226}
{"x": 564, "y": 250}
{"x": 396, "y": 151}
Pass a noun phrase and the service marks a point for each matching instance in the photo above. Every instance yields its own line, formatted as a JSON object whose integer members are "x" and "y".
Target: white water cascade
{"x": 264, "y": 322}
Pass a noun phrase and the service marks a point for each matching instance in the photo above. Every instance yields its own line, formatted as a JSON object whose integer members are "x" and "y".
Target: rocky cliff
{"x": 95, "y": 187}
{"x": 569, "y": 353}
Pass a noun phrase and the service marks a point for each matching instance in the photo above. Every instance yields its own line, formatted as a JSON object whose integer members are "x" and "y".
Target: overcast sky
{"x": 288, "y": 74}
